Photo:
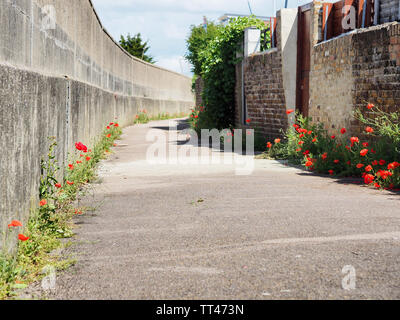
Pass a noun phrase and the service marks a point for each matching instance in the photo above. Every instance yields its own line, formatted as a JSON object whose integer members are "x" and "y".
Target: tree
{"x": 198, "y": 41}
{"x": 136, "y": 47}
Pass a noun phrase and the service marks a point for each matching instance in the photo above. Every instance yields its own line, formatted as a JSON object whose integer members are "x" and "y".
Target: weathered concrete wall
{"x": 352, "y": 70}
{"x": 78, "y": 46}
{"x": 69, "y": 82}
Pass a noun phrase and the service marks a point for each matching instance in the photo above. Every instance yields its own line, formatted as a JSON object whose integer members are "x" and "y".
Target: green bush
{"x": 215, "y": 61}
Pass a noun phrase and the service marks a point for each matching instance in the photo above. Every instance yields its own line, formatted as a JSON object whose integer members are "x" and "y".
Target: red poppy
{"x": 363, "y": 152}
{"x": 324, "y": 156}
{"x": 81, "y": 147}
{"x": 314, "y": 140}
{"x": 15, "y": 224}
{"x": 333, "y": 137}
{"x": 384, "y": 174}
{"x": 109, "y": 135}
{"x": 289, "y": 111}
{"x": 306, "y": 153}
{"x": 71, "y": 167}
{"x": 368, "y": 168}
{"x": 248, "y": 120}
{"x": 370, "y": 106}
{"x": 331, "y": 172}
{"x": 354, "y": 140}
{"x": 22, "y": 237}
{"x": 368, "y": 178}
{"x": 365, "y": 144}
{"x": 269, "y": 145}
{"x": 377, "y": 185}
{"x": 299, "y": 149}
{"x": 70, "y": 183}
{"x": 309, "y": 164}
{"x": 349, "y": 163}
{"x": 42, "y": 202}
{"x": 111, "y": 123}
{"x": 375, "y": 162}
{"x": 301, "y": 136}
{"x": 301, "y": 142}
{"x": 336, "y": 161}
{"x": 343, "y": 131}
{"x": 369, "y": 130}
{"x": 88, "y": 158}
{"x": 382, "y": 162}
{"x": 58, "y": 185}
{"x": 359, "y": 166}
{"x": 108, "y": 127}
{"x": 373, "y": 151}
{"x": 78, "y": 162}
{"x": 309, "y": 132}
{"x": 116, "y": 125}
{"x": 277, "y": 140}
{"x": 393, "y": 165}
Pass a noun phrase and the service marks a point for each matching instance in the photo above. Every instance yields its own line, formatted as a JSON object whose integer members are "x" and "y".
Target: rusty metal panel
{"x": 327, "y": 29}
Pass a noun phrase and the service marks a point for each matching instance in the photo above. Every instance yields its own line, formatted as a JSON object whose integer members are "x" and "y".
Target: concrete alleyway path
{"x": 201, "y": 232}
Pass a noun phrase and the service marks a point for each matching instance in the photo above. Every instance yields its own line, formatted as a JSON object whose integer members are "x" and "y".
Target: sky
{"x": 166, "y": 23}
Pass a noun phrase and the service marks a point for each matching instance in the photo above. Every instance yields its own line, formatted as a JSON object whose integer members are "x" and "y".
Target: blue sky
{"x": 166, "y": 23}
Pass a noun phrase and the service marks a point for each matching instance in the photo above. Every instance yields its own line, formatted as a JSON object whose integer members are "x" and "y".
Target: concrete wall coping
{"x": 126, "y": 52}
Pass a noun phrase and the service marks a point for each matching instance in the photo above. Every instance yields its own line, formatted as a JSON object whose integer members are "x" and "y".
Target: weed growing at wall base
{"x": 51, "y": 220}
{"x": 143, "y": 117}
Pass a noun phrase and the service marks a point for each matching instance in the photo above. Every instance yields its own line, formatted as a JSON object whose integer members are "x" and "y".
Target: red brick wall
{"x": 199, "y": 85}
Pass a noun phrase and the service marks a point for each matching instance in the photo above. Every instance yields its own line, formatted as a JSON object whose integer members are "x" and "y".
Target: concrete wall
{"x": 66, "y": 79}
{"x": 269, "y": 80}
{"x": 352, "y": 70}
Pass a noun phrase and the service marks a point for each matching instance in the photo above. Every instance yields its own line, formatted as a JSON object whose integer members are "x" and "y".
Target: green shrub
{"x": 215, "y": 63}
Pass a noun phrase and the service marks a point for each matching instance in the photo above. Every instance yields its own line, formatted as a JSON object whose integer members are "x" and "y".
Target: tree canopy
{"x": 136, "y": 47}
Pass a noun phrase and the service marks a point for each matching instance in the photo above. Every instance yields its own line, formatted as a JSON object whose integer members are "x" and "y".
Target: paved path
{"x": 201, "y": 232}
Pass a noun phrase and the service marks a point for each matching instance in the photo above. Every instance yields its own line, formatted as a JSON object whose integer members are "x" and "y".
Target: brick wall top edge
{"x": 388, "y": 26}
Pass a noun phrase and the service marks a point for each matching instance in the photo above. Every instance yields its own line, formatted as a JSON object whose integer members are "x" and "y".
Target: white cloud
{"x": 175, "y": 63}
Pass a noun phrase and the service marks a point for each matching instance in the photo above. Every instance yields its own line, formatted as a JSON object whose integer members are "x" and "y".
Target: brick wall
{"x": 268, "y": 84}
{"x": 199, "y": 85}
{"x": 352, "y": 70}
{"x": 265, "y": 96}
{"x": 389, "y": 10}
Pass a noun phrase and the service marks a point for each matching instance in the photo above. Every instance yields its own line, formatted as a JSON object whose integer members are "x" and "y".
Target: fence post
{"x": 376, "y": 12}
{"x": 252, "y": 41}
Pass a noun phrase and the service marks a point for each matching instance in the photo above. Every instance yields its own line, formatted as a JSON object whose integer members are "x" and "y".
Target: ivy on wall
{"x": 218, "y": 60}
